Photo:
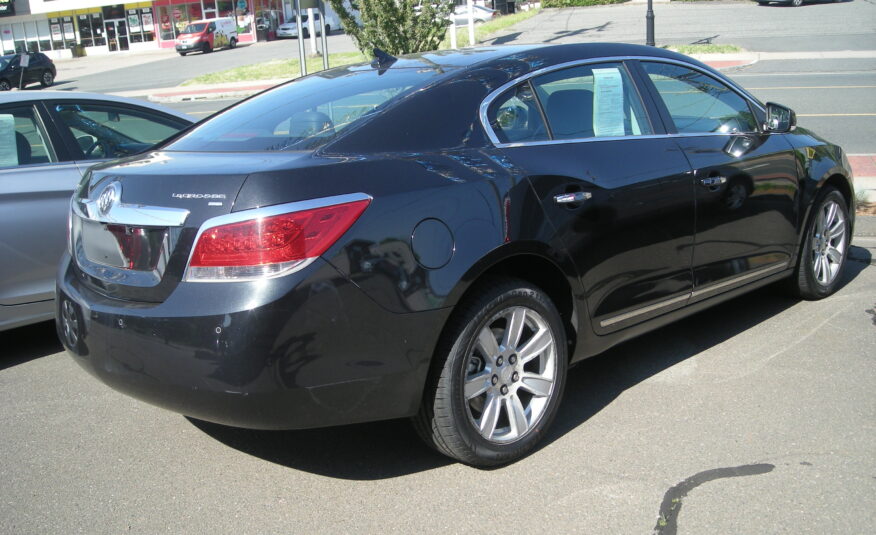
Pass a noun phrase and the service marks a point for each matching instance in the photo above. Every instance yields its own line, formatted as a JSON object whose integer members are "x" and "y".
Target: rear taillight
{"x": 270, "y": 245}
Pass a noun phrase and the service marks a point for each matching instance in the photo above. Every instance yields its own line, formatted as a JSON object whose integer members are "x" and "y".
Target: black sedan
{"x": 440, "y": 236}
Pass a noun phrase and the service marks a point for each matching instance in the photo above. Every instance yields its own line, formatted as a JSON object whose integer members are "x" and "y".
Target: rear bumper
{"x": 280, "y": 354}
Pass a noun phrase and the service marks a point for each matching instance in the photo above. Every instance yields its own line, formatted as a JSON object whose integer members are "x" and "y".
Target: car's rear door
{"x": 746, "y": 179}
{"x": 616, "y": 188}
{"x": 36, "y": 184}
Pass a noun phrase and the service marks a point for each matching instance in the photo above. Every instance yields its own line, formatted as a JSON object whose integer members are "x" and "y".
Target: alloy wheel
{"x": 828, "y": 242}
{"x": 69, "y": 324}
{"x": 510, "y": 374}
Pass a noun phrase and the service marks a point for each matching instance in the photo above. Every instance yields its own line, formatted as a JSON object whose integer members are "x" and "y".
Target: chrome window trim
{"x": 488, "y": 101}
{"x": 268, "y": 211}
{"x": 693, "y": 294}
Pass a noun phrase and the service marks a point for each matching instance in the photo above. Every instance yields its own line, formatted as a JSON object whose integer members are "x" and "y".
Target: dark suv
{"x": 39, "y": 69}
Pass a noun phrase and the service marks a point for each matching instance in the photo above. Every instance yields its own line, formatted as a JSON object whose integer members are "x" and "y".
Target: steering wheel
{"x": 90, "y": 150}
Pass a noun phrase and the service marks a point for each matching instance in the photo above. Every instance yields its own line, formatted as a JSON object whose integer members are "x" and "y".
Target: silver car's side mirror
{"x": 779, "y": 118}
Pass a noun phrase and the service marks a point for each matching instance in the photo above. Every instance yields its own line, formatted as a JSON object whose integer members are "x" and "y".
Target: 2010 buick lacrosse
{"x": 440, "y": 236}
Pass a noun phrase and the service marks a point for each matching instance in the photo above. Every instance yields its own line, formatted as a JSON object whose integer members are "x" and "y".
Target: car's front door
{"x": 746, "y": 179}
{"x": 621, "y": 198}
{"x": 35, "y": 190}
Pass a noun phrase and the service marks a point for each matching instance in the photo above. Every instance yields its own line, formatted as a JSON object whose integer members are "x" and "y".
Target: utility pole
{"x": 649, "y": 25}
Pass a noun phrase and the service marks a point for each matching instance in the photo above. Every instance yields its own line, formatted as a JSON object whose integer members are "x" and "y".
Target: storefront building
{"x": 64, "y": 28}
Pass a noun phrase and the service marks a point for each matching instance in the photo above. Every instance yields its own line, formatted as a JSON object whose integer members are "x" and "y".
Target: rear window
{"x": 305, "y": 114}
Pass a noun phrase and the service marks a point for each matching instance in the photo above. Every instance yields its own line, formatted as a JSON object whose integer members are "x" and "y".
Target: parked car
{"x": 480, "y": 14}
{"x": 290, "y": 28}
{"x": 794, "y": 3}
{"x": 40, "y": 69}
{"x": 439, "y": 236}
{"x": 205, "y": 35}
{"x": 47, "y": 140}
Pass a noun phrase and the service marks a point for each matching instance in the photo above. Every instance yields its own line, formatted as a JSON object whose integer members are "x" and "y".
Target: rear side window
{"x": 305, "y": 114}
{"x": 591, "y": 101}
{"x": 699, "y": 103}
{"x": 22, "y": 139}
{"x": 516, "y": 117}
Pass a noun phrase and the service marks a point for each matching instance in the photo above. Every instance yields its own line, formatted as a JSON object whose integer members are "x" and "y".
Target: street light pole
{"x": 649, "y": 25}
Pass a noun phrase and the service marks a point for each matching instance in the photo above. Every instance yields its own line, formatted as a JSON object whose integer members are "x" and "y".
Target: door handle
{"x": 713, "y": 181}
{"x": 577, "y": 196}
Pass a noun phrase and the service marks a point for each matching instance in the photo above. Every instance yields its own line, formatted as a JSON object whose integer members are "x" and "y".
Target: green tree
{"x": 394, "y": 26}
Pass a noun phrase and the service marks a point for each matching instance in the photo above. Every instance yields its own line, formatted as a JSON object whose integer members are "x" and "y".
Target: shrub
{"x": 394, "y": 26}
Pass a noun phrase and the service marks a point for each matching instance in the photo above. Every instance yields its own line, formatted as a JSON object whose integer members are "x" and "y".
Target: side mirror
{"x": 779, "y": 118}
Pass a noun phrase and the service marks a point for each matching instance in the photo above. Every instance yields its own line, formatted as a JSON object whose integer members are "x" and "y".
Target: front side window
{"x": 105, "y": 131}
{"x": 698, "y": 103}
{"x": 22, "y": 139}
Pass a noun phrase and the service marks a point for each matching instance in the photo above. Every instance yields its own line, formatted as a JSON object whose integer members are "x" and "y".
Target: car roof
{"x": 36, "y": 96}
{"x": 538, "y": 55}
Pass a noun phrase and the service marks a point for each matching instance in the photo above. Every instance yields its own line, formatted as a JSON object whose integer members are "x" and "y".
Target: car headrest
{"x": 570, "y": 113}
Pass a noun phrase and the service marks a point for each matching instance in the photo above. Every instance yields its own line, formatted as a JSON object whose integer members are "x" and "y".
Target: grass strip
{"x": 275, "y": 69}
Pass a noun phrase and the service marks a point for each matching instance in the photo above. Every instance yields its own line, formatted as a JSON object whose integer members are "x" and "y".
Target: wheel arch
{"x": 531, "y": 263}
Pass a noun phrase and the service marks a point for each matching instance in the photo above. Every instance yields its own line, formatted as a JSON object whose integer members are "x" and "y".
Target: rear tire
{"x": 183, "y": 53}
{"x": 47, "y": 79}
{"x": 825, "y": 247}
{"x": 5, "y": 85}
{"x": 233, "y": 44}
{"x": 796, "y": 3}
{"x": 498, "y": 376}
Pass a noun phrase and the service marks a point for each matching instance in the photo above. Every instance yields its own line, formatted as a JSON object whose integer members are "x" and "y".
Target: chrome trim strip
{"x": 488, "y": 101}
{"x": 268, "y": 211}
{"x": 729, "y": 282}
{"x": 135, "y": 215}
{"x": 711, "y": 288}
{"x": 644, "y": 310}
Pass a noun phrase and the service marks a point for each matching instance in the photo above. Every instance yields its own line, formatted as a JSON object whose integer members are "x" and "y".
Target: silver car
{"x": 47, "y": 141}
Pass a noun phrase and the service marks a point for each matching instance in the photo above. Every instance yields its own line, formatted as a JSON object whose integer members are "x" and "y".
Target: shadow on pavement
{"x": 390, "y": 449}
{"x": 28, "y": 343}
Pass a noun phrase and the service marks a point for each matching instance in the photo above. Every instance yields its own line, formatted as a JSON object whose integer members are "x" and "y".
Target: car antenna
{"x": 382, "y": 60}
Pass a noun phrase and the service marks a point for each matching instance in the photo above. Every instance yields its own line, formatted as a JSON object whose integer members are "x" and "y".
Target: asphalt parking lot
{"x": 753, "y": 417}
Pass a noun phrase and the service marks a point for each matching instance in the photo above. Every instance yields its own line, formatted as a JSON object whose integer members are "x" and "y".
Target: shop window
{"x": 85, "y": 33}
{"x": 6, "y": 36}
{"x": 97, "y": 30}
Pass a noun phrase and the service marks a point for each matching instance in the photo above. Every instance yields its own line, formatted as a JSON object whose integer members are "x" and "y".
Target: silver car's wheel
{"x": 828, "y": 248}
{"x": 510, "y": 375}
{"x": 498, "y": 375}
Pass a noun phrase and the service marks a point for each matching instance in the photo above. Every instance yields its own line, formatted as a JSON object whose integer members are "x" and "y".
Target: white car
{"x": 480, "y": 14}
{"x": 290, "y": 29}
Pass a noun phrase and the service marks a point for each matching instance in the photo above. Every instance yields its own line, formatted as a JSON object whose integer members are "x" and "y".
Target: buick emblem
{"x": 108, "y": 196}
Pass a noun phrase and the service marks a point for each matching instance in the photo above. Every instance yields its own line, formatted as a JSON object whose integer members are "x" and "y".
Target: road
{"x": 757, "y": 415}
{"x": 822, "y": 26}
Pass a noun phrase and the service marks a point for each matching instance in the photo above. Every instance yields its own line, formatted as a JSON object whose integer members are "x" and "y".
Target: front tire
{"x": 796, "y": 3}
{"x": 47, "y": 79}
{"x": 5, "y": 85}
{"x": 206, "y": 48}
{"x": 825, "y": 247}
{"x": 498, "y": 377}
